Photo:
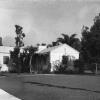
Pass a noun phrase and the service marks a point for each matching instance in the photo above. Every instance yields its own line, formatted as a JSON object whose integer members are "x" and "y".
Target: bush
{"x": 79, "y": 66}
{"x": 61, "y": 68}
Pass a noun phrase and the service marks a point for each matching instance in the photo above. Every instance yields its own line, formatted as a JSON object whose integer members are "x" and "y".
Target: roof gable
{"x": 47, "y": 50}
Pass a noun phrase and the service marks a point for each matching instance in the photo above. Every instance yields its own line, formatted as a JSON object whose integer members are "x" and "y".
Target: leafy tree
{"x": 29, "y": 52}
{"x": 90, "y": 50}
{"x": 19, "y": 37}
{"x": 14, "y": 59}
{"x": 70, "y": 40}
{"x": 16, "y": 55}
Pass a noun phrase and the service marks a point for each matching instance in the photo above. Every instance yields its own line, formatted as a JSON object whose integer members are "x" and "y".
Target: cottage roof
{"x": 47, "y": 50}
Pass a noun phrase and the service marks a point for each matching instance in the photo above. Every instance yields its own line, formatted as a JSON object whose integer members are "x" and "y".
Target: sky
{"x": 43, "y": 21}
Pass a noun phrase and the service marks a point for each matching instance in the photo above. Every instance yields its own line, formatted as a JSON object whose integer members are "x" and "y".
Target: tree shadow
{"x": 62, "y": 87}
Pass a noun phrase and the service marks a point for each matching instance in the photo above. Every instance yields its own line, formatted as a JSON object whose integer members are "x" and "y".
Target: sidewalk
{"x": 6, "y": 96}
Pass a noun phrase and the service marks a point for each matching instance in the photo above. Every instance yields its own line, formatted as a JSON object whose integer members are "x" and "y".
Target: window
{"x": 5, "y": 60}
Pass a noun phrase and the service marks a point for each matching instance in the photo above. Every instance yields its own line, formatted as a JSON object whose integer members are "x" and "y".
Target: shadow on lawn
{"x": 62, "y": 87}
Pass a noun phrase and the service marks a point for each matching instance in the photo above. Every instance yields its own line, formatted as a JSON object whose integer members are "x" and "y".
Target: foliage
{"x": 22, "y": 62}
{"x": 28, "y": 54}
{"x": 79, "y": 66}
{"x": 61, "y": 68}
{"x": 16, "y": 57}
{"x": 66, "y": 39}
{"x": 64, "y": 67}
{"x": 20, "y": 36}
{"x": 90, "y": 50}
{"x": 70, "y": 40}
{"x": 30, "y": 50}
{"x": 55, "y": 43}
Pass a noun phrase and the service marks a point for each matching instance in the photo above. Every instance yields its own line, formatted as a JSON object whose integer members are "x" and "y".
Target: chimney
{"x": 40, "y": 48}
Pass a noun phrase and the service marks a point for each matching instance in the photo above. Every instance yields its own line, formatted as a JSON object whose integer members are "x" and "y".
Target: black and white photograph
{"x": 49, "y": 49}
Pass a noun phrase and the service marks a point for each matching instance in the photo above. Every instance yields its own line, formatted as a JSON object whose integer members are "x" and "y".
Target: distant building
{"x": 49, "y": 57}
{"x": 4, "y": 57}
{"x": 40, "y": 48}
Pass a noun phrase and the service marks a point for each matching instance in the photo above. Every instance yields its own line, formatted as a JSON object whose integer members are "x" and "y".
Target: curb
{"x": 6, "y": 96}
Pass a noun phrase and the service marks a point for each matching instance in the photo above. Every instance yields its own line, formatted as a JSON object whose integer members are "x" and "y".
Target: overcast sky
{"x": 45, "y": 20}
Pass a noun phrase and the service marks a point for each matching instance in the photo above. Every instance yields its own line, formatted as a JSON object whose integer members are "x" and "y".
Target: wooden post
{"x": 96, "y": 68}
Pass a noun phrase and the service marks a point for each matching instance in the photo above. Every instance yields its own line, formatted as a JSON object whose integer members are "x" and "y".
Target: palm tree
{"x": 70, "y": 40}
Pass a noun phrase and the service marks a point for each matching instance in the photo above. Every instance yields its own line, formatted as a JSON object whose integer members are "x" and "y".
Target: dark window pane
{"x": 5, "y": 59}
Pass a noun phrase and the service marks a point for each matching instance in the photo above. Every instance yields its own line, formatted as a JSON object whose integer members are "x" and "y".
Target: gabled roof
{"x": 47, "y": 50}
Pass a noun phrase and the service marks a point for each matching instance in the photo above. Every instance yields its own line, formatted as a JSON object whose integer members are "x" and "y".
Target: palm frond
{"x": 73, "y": 36}
{"x": 61, "y": 40}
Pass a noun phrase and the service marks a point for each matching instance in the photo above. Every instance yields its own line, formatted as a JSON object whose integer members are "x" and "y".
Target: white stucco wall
{"x": 4, "y": 51}
{"x": 56, "y": 55}
{"x": 3, "y": 66}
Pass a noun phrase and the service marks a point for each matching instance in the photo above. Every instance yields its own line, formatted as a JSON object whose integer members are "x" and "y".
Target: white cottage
{"x": 55, "y": 54}
{"x": 4, "y": 57}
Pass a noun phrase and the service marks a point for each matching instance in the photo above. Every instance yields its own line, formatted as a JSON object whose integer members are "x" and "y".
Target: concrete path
{"x": 6, "y": 96}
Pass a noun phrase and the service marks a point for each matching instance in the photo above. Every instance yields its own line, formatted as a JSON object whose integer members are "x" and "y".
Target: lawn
{"x": 52, "y": 87}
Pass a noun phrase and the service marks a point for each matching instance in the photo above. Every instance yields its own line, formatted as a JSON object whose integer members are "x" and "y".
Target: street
{"x": 52, "y": 87}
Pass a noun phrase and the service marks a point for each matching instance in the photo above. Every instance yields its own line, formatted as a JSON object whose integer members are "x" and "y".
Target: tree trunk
{"x": 30, "y": 64}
